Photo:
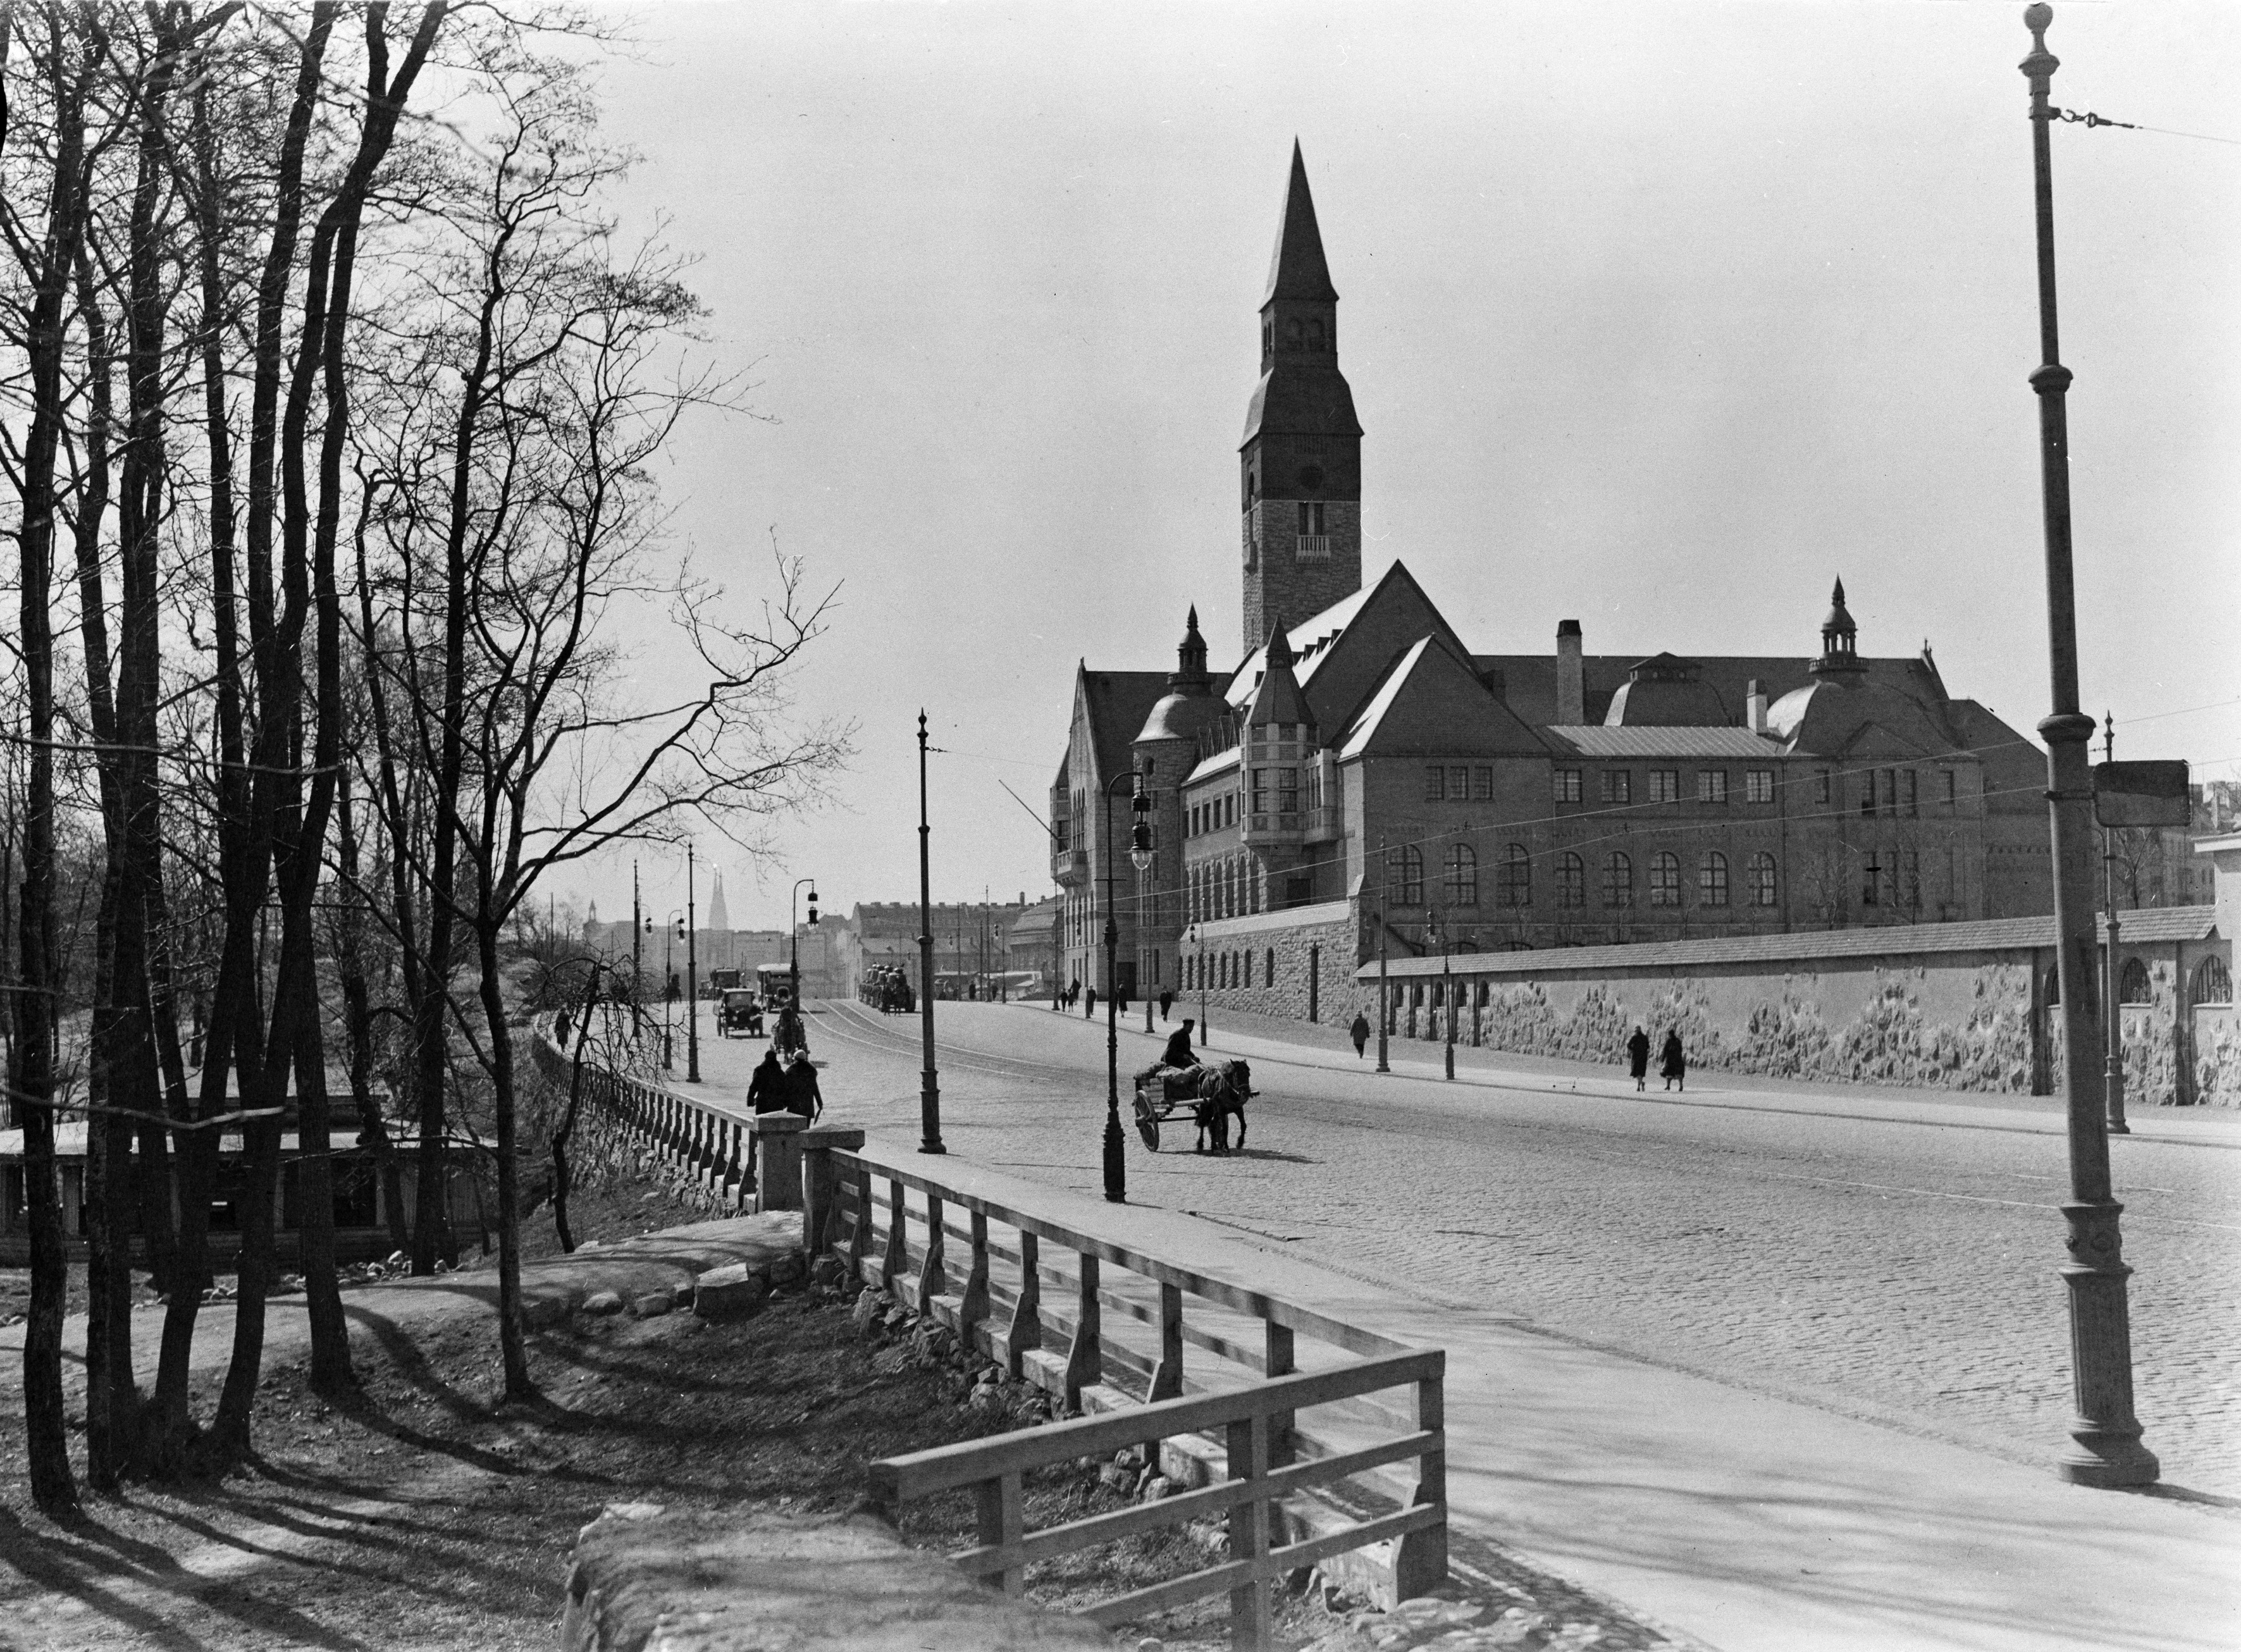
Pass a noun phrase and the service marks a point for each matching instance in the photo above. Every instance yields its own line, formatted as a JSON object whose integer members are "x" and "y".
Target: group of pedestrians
{"x": 1671, "y": 1061}
{"x": 785, "y": 1079}
{"x": 1074, "y": 992}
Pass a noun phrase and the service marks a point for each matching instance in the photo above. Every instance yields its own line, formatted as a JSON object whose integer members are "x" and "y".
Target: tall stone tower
{"x": 1300, "y": 465}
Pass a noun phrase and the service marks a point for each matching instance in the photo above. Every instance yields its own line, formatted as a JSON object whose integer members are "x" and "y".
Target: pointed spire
{"x": 1298, "y": 269}
{"x": 1278, "y": 698}
{"x": 1190, "y": 670}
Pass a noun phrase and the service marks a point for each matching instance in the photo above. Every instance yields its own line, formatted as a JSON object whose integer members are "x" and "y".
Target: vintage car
{"x": 739, "y": 1013}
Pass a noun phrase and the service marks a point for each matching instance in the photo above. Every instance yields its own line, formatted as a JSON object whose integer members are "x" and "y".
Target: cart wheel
{"x": 1148, "y": 1124}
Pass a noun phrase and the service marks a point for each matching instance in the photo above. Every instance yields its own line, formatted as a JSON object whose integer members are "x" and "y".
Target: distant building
{"x": 970, "y": 939}
{"x": 1031, "y": 944}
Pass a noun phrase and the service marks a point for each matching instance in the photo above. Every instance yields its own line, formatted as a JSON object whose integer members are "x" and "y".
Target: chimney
{"x": 1755, "y": 707}
{"x": 1571, "y": 676}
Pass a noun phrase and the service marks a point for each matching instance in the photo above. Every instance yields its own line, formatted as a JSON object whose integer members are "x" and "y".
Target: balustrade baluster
{"x": 859, "y": 1235}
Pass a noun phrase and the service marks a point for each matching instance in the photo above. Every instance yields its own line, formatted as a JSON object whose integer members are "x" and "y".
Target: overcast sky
{"x": 1658, "y": 316}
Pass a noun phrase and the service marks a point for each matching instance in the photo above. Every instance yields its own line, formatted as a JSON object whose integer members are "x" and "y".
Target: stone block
{"x": 735, "y": 1293}
{"x": 538, "y": 1312}
{"x": 732, "y": 1583}
{"x": 652, "y": 1305}
{"x": 603, "y": 1302}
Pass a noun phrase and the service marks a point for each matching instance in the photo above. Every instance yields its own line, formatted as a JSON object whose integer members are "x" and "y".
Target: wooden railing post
{"x": 820, "y": 1184}
{"x": 1419, "y": 1563}
{"x": 932, "y": 1278}
{"x": 1167, "y": 1375}
{"x": 973, "y": 1307}
{"x": 898, "y": 1258}
{"x": 1000, "y": 1518}
{"x": 1027, "y": 1328}
{"x": 1278, "y": 1350}
{"x": 1249, "y": 1625}
{"x": 859, "y": 1233}
{"x": 1085, "y": 1358}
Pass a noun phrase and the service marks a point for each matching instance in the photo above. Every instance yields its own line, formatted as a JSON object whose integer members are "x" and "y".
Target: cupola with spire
{"x": 1190, "y": 705}
{"x": 1839, "y": 639}
{"x": 1300, "y": 462}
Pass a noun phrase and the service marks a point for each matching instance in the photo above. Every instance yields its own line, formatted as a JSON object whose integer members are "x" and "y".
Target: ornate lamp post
{"x": 929, "y": 1092}
{"x": 674, "y": 933}
{"x": 1139, "y": 853}
{"x": 2106, "y": 1449}
{"x": 794, "y": 933}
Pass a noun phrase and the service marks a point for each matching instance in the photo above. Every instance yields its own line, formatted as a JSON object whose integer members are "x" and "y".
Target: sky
{"x": 1659, "y": 314}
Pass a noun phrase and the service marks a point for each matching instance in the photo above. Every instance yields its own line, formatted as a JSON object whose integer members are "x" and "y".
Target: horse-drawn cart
{"x": 1215, "y": 1092}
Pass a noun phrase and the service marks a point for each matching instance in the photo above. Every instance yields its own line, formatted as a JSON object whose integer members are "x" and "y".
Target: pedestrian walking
{"x": 1166, "y": 1002}
{"x": 766, "y": 1091}
{"x": 1672, "y": 1063}
{"x": 1360, "y": 1033}
{"x": 1638, "y": 1057}
{"x": 1089, "y": 1003}
{"x": 802, "y": 1095}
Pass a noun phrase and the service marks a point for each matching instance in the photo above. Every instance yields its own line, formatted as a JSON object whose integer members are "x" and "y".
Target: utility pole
{"x": 1384, "y": 994}
{"x": 2107, "y": 1450}
{"x": 929, "y": 1093}
{"x": 638, "y": 956}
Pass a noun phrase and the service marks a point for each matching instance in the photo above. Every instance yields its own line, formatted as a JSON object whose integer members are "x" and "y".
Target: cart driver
{"x": 1178, "y": 1054}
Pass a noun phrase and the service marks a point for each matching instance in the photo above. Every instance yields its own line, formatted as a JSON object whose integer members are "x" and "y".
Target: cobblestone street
{"x": 1897, "y": 1271}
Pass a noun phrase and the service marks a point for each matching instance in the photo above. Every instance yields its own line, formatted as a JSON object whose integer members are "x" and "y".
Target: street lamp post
{"x": 1144, "y": 899}
{"x": 929, "y": 1089}
{"x": 1384, "y": 992}
{"x": 692, "y": 979}
{"x": 1435, "y": 931}
{"x": 1139, "y": 852}
{"x": 1198, "y": 942}
{"x": 2112, "y": 999}
{"x": 670, "y": 935}
{"x": 793, "y": 933}
{"x": 2106, "y": 1449}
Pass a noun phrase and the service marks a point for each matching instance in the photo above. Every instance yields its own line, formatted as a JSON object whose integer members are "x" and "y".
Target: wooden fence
{"x": 1294, "y": 1496}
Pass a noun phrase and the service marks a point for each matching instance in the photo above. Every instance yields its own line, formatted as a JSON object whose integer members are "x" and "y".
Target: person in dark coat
{"x": 1672, "y": 1063}
{"x": 1360, "y": 1033}
{"x": 1166, "y": 1002}
{"x": 1638, "y": 1058}
{"x": 1089, "y": 1003}
{"x": 1178, "y": 1054}
{"x": 766, "y": 1091}
{"x": 1074, "y": 992}
{"x": 802, "y": 1094}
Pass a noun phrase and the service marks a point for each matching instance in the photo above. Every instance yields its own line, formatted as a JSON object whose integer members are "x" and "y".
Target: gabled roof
{"x": 1328, "y": 652}
{"x": 1116, "y": 703}
{"x": 1529, "y": 681}
{"x": 1432, "y": 702}
{"x": 1278, "y": 699}
{"x": 1297, "y": 268}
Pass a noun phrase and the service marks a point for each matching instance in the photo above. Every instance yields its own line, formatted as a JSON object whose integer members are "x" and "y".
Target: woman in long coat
{"x": 1672, "y": 1063}
{"x": 1638, "y": 1058}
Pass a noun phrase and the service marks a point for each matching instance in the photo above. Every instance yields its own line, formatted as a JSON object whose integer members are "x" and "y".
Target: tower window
{"x": 1311, "y": 514}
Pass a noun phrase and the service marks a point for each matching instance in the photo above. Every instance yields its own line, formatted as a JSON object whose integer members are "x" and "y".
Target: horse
{"x": 1223, "y": 1089}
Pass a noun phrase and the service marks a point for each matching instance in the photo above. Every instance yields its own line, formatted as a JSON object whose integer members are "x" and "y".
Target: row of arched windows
{"x": 2213, "y": 983}
{"x": 1214, "y": 971}
{"x": 1223, "y": 888}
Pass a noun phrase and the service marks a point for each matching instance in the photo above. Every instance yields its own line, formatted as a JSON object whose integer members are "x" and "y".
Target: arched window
{"x": 2132, "y": 983}
{"x": 1664, "y": 879}
{"x": 2213, "y": 982}
{"x": 1618, "y": 880}
{"x": 1516, "y": 886}
{"x": 1463, "y": 875}
{"x": 1248, "y": 968}
{"x": 1571, "y": 880}
{"x": 1712, "y": 879}
{"x": 1404, "y": 876}
{"x": 1761, "y": 879}
{"x": 1268, "y": 975}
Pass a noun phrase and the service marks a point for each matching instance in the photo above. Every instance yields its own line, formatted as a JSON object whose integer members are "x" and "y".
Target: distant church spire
{"x": 1300, "y": 464}
{"x": 718, "y": 919}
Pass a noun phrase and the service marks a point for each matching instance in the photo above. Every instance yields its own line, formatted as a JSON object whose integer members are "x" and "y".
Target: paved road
{"x": 1902, "y": 1271}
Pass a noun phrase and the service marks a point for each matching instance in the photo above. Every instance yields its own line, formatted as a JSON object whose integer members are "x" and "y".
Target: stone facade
{"x": 1298, "y": 964}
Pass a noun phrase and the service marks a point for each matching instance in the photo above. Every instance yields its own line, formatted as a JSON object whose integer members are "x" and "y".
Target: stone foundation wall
{"x": 1297, "y": 960}
{"x": 1959, "y": 1020}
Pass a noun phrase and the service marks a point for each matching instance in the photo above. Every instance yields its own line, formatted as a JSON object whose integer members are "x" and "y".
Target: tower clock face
{"x": 1311, "y": 477}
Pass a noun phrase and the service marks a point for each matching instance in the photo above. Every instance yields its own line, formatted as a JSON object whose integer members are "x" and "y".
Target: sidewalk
{"x": 1751, "y": 1523}
{"x": 1266, "y": 1040}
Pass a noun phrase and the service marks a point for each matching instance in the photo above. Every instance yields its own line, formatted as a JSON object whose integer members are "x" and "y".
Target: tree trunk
{"x": 513, "y": 1353}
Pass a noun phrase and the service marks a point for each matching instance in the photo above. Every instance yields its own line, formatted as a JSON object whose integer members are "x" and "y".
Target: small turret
{"x": 1839, "y": 638}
